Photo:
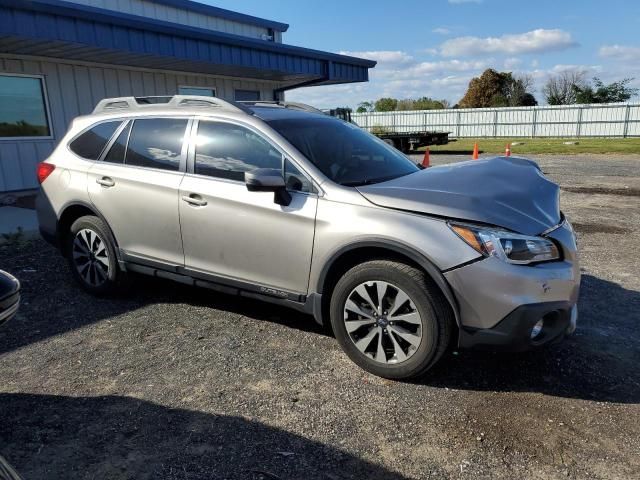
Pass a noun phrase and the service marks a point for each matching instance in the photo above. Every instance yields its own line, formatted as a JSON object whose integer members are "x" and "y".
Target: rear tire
{"x": 90, "y": 251}
{"x": 390, "y": 319}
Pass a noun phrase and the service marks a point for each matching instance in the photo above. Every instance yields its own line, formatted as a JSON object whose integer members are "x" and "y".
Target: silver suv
{"x": 280, "y": 202}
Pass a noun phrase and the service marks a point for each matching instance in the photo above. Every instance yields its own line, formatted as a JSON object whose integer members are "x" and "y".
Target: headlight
{"x": 507, "y": 246}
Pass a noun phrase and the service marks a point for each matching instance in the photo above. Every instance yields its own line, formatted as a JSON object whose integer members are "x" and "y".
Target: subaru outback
{"x": 280, "y": 202}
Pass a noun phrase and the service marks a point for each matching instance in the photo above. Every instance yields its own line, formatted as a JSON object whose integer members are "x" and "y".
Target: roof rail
{"x": 175, "y": 101}
{"x": 274, "y": 103}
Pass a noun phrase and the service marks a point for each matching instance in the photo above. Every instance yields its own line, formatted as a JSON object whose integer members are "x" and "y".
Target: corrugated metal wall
{"x": 149, "y": 9}
{"x": 74, "y": 89}
{"x": 597, "y": 120}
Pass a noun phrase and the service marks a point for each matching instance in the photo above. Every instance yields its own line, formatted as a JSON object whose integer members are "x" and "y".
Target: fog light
{"x": 537, "y": 328}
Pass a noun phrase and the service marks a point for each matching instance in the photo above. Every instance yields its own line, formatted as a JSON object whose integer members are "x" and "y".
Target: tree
{"x": 426, "y": 103}
{"x": 560, "y": 89}
{"x": 517, "y": 92}
{"x": 386, "y": 104}
{"x": 364, "y": 107}
{"x": 498, "y": 89}
{"x": 392, "y": 104}
{"x": 601, "y": 93}
{"x": 482, "y": 90}
{"x": 406, "y": 104}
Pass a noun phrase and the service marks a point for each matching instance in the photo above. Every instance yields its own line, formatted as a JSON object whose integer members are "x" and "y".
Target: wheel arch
{"x": 74, "y": 210}
{"x": 350, "y": 255}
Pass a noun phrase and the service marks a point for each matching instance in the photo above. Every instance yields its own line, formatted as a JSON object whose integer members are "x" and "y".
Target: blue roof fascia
{"x": 226, "y": 14}
{"x": 58, "y": 7}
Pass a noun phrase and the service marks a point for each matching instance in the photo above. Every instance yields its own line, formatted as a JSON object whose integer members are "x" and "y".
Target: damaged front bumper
{"x": 518, "y": 307}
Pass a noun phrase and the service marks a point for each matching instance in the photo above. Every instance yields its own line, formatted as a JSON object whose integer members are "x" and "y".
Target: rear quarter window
{"x": 91, "y": 143}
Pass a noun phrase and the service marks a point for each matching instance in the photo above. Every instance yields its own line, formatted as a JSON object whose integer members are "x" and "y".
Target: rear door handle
{"x": 105, "y": 182}
{"x": 194, "y": 199}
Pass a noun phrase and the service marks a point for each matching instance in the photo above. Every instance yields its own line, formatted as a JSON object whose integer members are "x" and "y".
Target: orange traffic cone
{"x": 425, "y": 160}
{"x": 507, "y": 152}
{"x": 475, "y": 151}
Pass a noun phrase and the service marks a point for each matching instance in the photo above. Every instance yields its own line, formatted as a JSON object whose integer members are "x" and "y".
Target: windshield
{"x": 344, "y": 152}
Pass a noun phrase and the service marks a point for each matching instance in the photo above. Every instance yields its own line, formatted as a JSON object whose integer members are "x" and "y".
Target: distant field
{"x": 542, "y": 145}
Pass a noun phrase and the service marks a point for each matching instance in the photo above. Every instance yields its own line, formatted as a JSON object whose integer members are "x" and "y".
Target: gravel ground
{"x": 178, "y": 383}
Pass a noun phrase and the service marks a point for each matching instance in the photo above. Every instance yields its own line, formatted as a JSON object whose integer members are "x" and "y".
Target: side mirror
{"x": 268, "y": 180}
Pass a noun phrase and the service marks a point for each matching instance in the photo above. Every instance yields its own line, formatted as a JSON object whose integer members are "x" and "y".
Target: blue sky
{"x": 434, "y": 47}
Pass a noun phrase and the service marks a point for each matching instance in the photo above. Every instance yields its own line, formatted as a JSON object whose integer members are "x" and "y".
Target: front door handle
{"x": 105, "y": 182}
{"x": 194, "y": 199}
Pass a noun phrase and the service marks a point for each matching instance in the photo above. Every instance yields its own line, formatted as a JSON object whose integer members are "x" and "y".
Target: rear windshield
{"x": 344, "y": 152}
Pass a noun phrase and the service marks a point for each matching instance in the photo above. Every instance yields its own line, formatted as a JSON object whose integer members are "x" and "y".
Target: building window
{"x": 247, "y": 95}
{"x": 201, "y": 91}
{"x": 23, "y": 109}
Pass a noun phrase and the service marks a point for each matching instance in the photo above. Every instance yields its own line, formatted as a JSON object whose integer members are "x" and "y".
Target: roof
{"x": 66, "y": 30}
{"x": 279, "y": 113}
{"x": 223, "y": 13}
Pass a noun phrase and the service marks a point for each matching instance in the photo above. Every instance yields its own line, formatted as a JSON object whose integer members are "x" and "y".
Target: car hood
{"x": 508, "y": 192}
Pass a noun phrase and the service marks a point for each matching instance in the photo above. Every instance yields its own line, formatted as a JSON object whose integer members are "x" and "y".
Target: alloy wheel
{"x": 91, "y": 257}
{"x": 383, "y": 322}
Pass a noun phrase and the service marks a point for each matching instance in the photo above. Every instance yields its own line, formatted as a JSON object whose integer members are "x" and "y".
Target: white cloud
{"x": 450, "y": 66}
{"x": 441, "y": 31}
{"x": 563, "y": 67}
{"x": 397, "y": 75}
{"x": 535, "y": 41}
{"x": 622, "y": 53}
{"x": 512, "y": 63}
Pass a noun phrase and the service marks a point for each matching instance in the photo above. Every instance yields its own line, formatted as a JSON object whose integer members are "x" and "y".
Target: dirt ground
{"x": 176, "y": 383}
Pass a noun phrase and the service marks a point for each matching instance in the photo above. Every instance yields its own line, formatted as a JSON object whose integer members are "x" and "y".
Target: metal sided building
{"x": 59, "y": 58}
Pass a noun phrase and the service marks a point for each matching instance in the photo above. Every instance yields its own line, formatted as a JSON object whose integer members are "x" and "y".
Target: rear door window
{"x": 91, "y": 143}
{"x": 156, "y": 143}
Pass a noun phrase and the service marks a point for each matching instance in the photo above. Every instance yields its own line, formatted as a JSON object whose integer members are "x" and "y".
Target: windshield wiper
{"x": 358, "y": 183}
{"x": 371, "y": 181}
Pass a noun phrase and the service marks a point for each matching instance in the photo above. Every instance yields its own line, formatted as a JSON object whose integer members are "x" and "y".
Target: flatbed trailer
{"x": 406, "y": 142}
{"x": 410, "y": 142}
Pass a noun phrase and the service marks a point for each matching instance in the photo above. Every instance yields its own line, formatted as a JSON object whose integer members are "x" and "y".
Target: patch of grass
{"x": 542, "y": 145}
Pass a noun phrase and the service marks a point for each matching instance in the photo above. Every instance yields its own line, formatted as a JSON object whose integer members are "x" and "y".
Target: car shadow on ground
{"x": 47, "y": 436}
{"x": 599, "y": 362}
{"x": 53, "y": 303}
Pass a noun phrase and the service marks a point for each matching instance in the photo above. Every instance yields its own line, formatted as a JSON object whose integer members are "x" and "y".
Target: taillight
{"x": 44, "y": 170}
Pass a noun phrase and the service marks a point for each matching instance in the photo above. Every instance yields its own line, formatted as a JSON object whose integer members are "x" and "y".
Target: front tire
{"x": 91, "y": 254}
{"x": 390, "y": 319}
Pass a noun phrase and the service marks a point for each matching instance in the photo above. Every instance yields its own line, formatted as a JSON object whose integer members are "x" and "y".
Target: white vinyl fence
{"x": 594, "y": 120}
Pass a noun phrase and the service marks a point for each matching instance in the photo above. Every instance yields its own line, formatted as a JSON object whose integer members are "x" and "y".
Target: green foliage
{"x": 365, "y": 107}
{"x": 498, "y": 89}
{"x": 392, "y": 104}
{"x": 601, "y": 93}
{"x": 528, "y": 100}
{"x": 386, "y": 104}
{"x": 426, "y": 103}
{"x": 404, "y": 105}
